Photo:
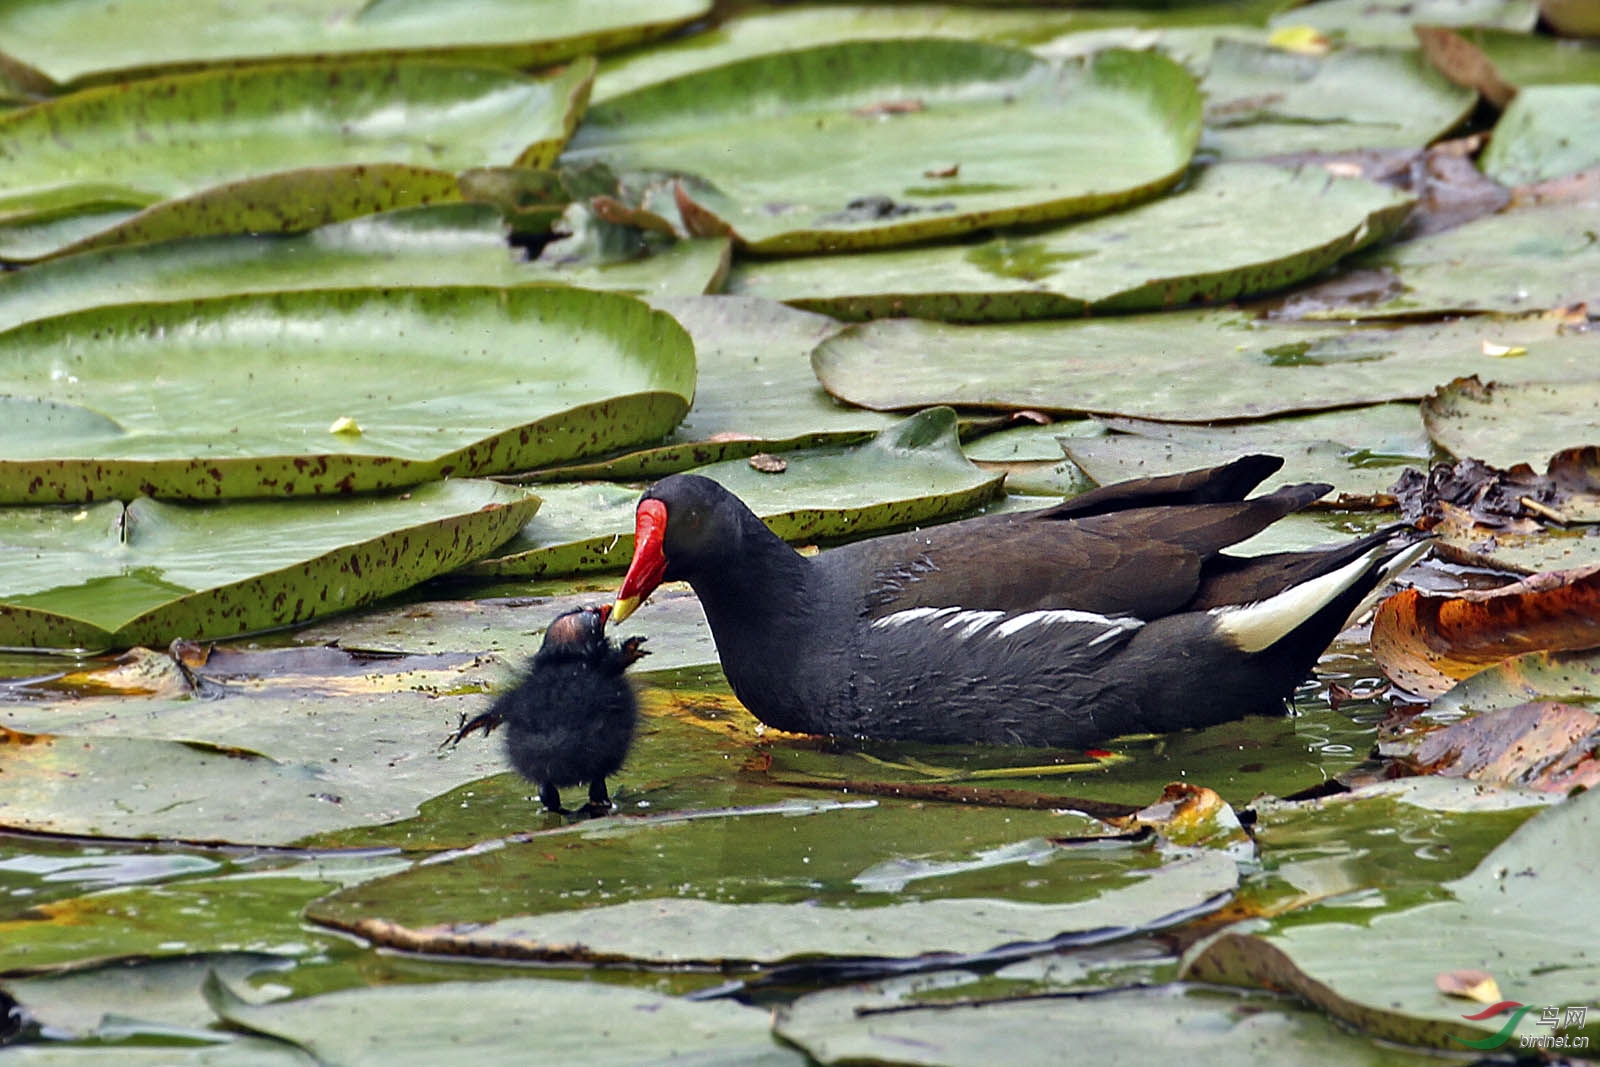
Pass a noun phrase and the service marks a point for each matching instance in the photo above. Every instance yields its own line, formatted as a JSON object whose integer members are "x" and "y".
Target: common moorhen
{"x": 571, "y": 717}
{"x": 1114, "y": 612}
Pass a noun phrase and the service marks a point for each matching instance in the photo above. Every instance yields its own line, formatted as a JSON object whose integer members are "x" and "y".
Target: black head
{"x": 685, "y": 526}
{"x": 576, "y": 634}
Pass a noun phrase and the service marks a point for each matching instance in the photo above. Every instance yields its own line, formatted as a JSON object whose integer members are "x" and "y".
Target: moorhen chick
{"x": 1114, "y": 612}
{"x": 571, "y": 717}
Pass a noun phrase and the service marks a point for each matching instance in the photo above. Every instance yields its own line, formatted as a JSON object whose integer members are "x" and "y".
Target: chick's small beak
{"x": 649, "y": 559}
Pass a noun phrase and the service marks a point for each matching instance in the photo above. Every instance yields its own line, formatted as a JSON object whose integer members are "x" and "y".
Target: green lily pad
{"x": 755, "y": 393}
{"x": 915, "y": 1024}
{"x": 1389, "y": 22}
{"x": 256, "y": 912}
{"x": 111, "y": 1002}
{"x": 754, "y": 30}
{"x": 832, "y": 147}
{"x": 112, "y": 575}
{"x": 1360, "y": 451}
{"x": 860, "y": 880}
{"x": 107, "y": 153}
{"x": 1179, "y": 366}
{"x": 912, "y": 472}
{"x": 1572, "y": 677}
{"x": 1523, "y": 259}
{"x": 1263, "y": 101}
{"x": 239, "y": 1052}
{"x": 253, "y": 771}
{"x": 1501, "y": 920}
{"x": 513, "y": 628}
{"x": 451, "y": 244}
{"x": 258, "y": 390}
{"x": 85, "y": 41}
{"x": 1238, "y": 229}
{"x": 1507, "y": 423}
{"x": 1547, "y": 131}
{"x": 577, "y": 1023}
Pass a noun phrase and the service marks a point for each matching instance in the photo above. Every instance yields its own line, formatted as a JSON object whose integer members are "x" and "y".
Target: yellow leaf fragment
{"x": 1469, "y": 985}
{"x": 345, "y": 426}
{"x": 1490, "y": 348}
{"x": 1306, "y": 40}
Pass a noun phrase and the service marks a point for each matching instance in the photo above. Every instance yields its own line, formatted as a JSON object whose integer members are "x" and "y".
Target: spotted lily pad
{"x": 330, "y": 391}
{"x": 1500, "y": 918}
{"x": 912, "y": 472}
{"x": 864, "y": 879}
{"x": 426, "y": 1025}
{"x": 1505, "y": 423}
{"x": 755, "y": 392}
{"x": 1265, "y": 101}
{"x": 1527, "y": 258}
{"x": 105, "y": 40}
{"x": 449, "y": 244}
{"x": 1238, "y": 229}
{"x": 270, "y": 149}
{"x": 851, "y": 145}
{"x": 1179, "y": 366}
{"x": 112, "y": 575}
{"x": 1546, "y": 131}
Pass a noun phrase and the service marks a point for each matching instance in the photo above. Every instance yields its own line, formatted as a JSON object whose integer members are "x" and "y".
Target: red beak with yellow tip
{"x": 649, "y": 559}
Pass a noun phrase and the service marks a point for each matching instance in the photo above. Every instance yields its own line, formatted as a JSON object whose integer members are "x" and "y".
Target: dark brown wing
{"x": 1145, "y": 562}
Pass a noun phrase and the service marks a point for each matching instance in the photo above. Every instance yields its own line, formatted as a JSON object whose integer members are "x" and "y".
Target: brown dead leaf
{"x": 697, "y": 220}
{"x": 610, "y": 209}
{"x": 943, "y": 172}
{"x": 1544, "y": 745}
{"x": 767, "y": 463}
{"x": 1469, "y": 985}
{"x": 1189, "y": 815}
{"x": 1464, "y": 63}
{"x": 1426, "y": 643}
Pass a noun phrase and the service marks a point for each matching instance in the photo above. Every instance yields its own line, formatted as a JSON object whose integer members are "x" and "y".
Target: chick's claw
{"x": 486, "y": 722}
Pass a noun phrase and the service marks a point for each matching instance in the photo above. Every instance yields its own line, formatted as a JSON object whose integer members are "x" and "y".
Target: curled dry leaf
{"x": 1464, "y": 63}
{"x": 1425, "y": 643}
{"x": 1544, "y": 745}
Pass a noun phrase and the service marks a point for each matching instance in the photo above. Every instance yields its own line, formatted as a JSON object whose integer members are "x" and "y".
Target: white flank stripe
{"x": 973, "y": 621}
{"x": 900, "y": 618}
{"x": 1113, "y": 626}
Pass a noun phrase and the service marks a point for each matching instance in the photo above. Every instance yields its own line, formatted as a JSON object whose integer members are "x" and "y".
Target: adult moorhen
{"x": 1114, "y": 612}
{"x": 571, "y": 717}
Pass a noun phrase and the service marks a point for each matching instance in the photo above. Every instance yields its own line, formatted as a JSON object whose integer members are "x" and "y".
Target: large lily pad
{"x": 762, "y": 30}
{"x": 1179, "y": 366}
{"x": 1523, "y": 259}
{"x": 1238, "y": 229}
{"x": 1263, "y": 101}
{"x": 912, "y": 472}
{"x": 432, "y": 383}
{"x": 243, "y": 770}
{"x": 450, "y": 244}
{"x": 251, "y": 149}
{"x": 877, "y": 880}
{"x": 111, "y": 575}
{"x": 1359, "y": 450}
{"x": 499, "y": 1021}
{"x": 926, "y": 1025}
{"x": 87, "y": 41}
{"x": 832, "y": 147}
{"x": 1546, "y": 131}
{"x": 755, "y": 393}
{"x": 1501, "y": 922}
{"x": 1507, "y": 423}
{"x": 1389, "y": 22}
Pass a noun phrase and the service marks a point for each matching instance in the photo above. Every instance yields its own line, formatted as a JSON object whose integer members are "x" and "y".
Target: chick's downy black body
{"x": 570, "y": 720}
